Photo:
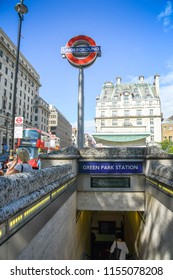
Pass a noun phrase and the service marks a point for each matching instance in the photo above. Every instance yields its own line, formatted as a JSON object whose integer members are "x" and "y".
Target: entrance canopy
{"x": 115, "y": 138}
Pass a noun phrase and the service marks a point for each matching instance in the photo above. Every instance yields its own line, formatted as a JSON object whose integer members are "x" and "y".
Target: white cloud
{"x": 167, "y": 12}
{"x": 166, "y": 94}
{"x": 166, "y": 90}
{"x": 165, "y": 16}
{"x": 167, "y": 79}
{"x": 170, "y": 63}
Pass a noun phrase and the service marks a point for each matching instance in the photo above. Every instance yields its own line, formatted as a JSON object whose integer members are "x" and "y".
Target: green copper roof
{"x": 120, "y": 137}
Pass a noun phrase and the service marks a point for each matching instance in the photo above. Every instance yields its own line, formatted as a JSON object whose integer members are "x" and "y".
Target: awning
{"x": 114, "y": 137}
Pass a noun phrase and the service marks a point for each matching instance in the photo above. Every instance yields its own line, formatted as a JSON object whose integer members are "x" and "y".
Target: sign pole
{"x": 81, "y": 51}
{"x": 80, "y": 130}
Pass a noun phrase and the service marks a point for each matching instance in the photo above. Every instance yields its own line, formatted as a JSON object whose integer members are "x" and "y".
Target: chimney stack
{"x": 118, "y": 80}
{"x": 157, "y": 84}
{"x": 141, "y": 79}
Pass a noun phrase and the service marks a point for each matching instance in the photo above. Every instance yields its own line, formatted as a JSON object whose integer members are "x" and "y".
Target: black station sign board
{"x": 110, "y": 182}
{"x": 113, "y": 167}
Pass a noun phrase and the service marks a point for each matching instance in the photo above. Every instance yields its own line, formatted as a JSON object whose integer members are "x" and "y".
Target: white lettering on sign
{"x": 111, "y": 167}
{"x": 125, "y": 167}
{"x": 107, "y": 167}
{"x": 91, "y": 167}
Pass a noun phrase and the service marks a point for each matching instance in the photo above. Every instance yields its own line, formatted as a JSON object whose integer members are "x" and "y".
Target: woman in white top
{"x": 121, "y": 245}
{"x": 22, "y": 166}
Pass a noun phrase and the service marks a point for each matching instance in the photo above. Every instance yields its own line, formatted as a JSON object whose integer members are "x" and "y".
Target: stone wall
{"x": 20, "y": 190}
{"x": 154, "y": 240}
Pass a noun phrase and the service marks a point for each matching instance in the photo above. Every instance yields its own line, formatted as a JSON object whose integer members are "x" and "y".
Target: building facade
{"x": 128, "y": 113}
{"x": 41, "y": 114}
{"x": 167, "y": 130}
{"x": 60, "y": 126}
{"x": 27, "y": 89}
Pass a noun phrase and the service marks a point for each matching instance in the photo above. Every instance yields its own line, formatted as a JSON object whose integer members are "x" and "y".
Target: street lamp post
{"x": 21, "y": 9}
{"x": 7, "y": 127}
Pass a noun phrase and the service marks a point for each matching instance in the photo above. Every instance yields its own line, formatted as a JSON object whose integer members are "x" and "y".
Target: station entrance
{"x": 105, "y": 226}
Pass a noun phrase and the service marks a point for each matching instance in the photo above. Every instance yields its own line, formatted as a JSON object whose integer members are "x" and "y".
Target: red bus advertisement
{"x": 37, "y": 141}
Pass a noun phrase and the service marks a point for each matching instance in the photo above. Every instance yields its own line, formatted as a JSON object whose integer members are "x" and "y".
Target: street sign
{"x": 18, "y": 120}
{"x": 18, "y": 131}
{"x": 18, "y": 128}
{"x": 81, "y": 51}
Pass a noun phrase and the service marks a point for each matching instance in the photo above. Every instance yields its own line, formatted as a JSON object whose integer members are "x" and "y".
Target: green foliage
{"x": 164, "y": 144}
{"x": 167, "y": 146}
{"x": 170, "y": 150}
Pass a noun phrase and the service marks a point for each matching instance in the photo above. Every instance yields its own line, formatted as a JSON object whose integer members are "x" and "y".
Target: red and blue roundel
{"x": 81, "y": 51}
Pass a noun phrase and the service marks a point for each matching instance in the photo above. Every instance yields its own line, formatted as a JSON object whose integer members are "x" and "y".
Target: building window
{"x": 139, "y": 121}
{"x": 103, "y": 122}
{"x": 102, "y": 113}
{"x": 151, "y": 112}
{"x": 114, "y": 122}
{"x": 139, "y": 112}
{"x": 151, "y": 121}
{"x": 127, "y": 122}
{"x": 1, "y": 53}
{"x": 4, "y": 104}
{"x": 127, "y": 113}
{"x": 152, "y": 129}
{"x": 170, "y": 138}
{"x": 114, "y": 113}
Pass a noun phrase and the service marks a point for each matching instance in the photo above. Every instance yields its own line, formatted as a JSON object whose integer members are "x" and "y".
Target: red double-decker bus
{"x": 37, "y": 141}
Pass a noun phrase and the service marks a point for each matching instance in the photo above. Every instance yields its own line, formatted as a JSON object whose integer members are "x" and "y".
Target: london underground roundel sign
{"x": 81, "y": 51}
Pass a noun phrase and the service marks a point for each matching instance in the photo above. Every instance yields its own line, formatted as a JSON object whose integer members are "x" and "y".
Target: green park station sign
{"x": 115, "y": 167}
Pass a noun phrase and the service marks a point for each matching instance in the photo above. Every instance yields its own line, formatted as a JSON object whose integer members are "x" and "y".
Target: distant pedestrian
{"x": 20, "y": 163}
{"x": 121, "y": 245}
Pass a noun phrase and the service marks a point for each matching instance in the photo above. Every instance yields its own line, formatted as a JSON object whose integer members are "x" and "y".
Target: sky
{"x": 136, "y": 38}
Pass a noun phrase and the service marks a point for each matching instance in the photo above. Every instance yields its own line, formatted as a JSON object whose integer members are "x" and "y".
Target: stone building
{"x": 167, "y": 130}
{"x": 41, "y": 114}
{"x": 27, "y": 97}
{"x": 128, "y": 113}
{"x": 60, "y": 126}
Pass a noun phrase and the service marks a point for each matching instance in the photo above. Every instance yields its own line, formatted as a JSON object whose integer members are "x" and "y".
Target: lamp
{"x": 21, "y": 9}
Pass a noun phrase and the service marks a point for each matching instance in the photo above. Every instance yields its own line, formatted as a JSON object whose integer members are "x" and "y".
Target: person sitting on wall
{"x": 20, "y": 163}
